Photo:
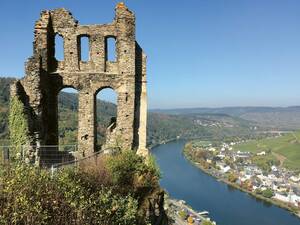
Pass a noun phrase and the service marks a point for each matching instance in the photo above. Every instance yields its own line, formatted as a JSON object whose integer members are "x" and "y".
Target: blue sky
{"x": 201, "y": 53}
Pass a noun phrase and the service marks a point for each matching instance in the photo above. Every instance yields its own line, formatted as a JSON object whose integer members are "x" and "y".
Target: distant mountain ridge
{"x": 233, "y": 111}
{"x": 285, "y": 118}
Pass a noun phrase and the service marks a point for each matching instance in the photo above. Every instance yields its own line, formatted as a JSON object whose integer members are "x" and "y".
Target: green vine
{"x": 18, "y": 124}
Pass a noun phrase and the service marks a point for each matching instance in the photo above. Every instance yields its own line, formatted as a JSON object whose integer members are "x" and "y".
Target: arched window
{"x": 68, "y": 119}
{"x": 106, "y": 111}
{"x": 110, "y": 49}
{"x": 84, "y": 48}
{"x": 59, "y": 48}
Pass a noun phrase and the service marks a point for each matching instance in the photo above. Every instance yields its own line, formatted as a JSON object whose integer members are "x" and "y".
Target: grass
{"x": 287, "y": 146}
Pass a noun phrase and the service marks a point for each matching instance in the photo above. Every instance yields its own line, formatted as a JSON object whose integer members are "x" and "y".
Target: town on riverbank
{"x": 255, "y": 172}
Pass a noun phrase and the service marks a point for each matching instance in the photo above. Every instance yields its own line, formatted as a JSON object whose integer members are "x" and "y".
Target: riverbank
{"x": 226, "y": 206}
{"x": 174, "y": 206}
{"x": 162, "y": 143}
{"x": 214, "y": 173}
{"x": 179, "y": 212}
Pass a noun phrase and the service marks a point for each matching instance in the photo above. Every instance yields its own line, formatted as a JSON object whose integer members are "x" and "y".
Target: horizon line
{"x": 222, "y": 107}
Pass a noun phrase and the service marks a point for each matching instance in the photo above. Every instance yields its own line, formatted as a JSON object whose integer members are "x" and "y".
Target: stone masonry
{"x": 46, "y": 76}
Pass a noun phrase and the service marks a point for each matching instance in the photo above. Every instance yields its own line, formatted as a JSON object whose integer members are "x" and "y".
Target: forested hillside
{"x": 161, "y": 126}
{"x": 285, "y": 118}
{"x": 4, "y": 99}
{"x": 68, "y": 118}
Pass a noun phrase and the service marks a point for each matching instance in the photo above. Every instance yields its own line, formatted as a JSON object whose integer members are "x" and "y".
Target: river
{"x": 227, "y": 205}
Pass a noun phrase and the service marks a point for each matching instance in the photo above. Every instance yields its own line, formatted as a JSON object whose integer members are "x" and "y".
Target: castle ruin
{"x": 45, "y": 76}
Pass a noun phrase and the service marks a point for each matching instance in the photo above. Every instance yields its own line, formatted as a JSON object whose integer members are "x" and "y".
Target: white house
{"x": 212, "y": 149}
{"x": 261, "y": 153}
{"x": 225, "y": 169}
{"x": 291, "y": 198}
{"x": 295, "y": 179}
{"x": 274, "y": 168}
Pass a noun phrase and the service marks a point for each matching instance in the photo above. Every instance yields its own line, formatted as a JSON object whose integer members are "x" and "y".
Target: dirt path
{"x": 279, "y": 157}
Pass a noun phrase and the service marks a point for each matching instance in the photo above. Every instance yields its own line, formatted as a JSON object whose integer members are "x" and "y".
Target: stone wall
{"x": 46, "y": 76}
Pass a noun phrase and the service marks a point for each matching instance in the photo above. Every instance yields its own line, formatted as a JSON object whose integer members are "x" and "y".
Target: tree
{"x": 182, "y": 214}
{"x": 190, "y": 220}
{"x": 232, "y": 177}
{"x": 268, "y": 193}
{"x": 258, "y": 191}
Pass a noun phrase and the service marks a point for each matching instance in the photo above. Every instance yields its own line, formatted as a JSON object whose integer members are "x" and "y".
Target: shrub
{"x": 109, "y": 190}
{"x": 258, "y": 191}
{"x": 232, "y": 177}
{"x": 130, "y": 169}
{"x": 268, "y": 193}
{"x": 183, "y": 214}
{"x": 29, "y": 196}
{"x": 17, "y": 123}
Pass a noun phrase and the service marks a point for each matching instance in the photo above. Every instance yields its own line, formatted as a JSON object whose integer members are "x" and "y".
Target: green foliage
{"x": 232, "y": 177}
{"x": 4, "y": 90}
{"x": 18, "y": 123}
{"x": 265, "y": 162}
{"x": 286, "y": 147}
{"x": 4, "y": 100}
{"x": 153, "y": 166}
{"x": 268, "y": 193}
{"x": 258, "y": 191}
{"x": 108, "y": 193}
{"x": 68, "y": 118}
{"x": 194, "y": 150}
{"x": 68, "y": 123}
{"x": 129, "y": 169}
{"x": 161, "y": 127}
{"x": 165, "y": 127}
{"x": 183, "y": 215}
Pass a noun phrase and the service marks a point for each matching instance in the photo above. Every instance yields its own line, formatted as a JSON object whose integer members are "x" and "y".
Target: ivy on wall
{"x": 18, "y": 125}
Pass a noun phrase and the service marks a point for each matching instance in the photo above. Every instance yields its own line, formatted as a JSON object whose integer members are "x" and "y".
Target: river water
{"x": 227, "y": 206}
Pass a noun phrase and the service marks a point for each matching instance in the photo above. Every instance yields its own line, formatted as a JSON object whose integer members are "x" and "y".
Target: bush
{"x": 232, "y": 177}
{"x": 258, "y": 191}
{"x": 130, "y": 169}
{"x": 29, "y": 196}
{"x": 93, "y": 194}
{"x": 183, "y": 214}
{"x": 18, "y": 123}
{"x": 268, "y": 193}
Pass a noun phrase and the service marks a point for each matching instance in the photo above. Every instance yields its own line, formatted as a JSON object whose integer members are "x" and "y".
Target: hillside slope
{"x": 68, "y": 107}
{"x": 161, "y": 126}
{"x": 285, "y": 118}
{"x": 286, "y": 148}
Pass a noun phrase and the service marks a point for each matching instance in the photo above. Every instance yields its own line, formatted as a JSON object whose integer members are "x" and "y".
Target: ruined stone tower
{"x": 46, "y": 76}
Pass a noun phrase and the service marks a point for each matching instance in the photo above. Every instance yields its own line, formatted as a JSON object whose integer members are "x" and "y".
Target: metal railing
{"x": 77, "y": 161}
{"x": 49, "y": 154}
{"x": 54, "y": 157}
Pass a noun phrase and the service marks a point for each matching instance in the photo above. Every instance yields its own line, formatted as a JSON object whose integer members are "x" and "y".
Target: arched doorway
{"x": 68, "y": 119}
{"x": 106, "y": 115}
